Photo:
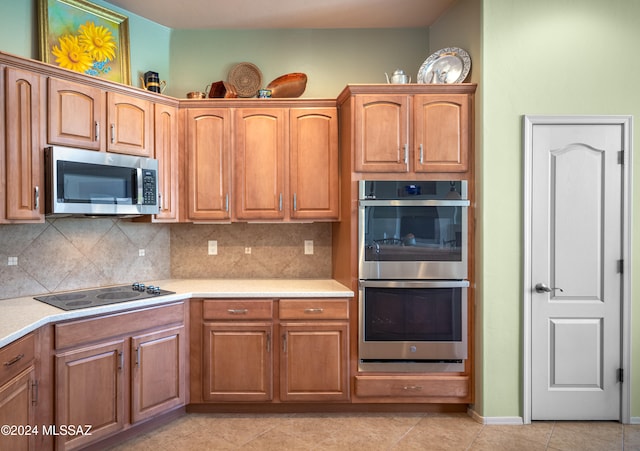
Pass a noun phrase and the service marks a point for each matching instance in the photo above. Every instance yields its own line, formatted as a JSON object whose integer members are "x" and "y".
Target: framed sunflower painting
{"x": 86, "y": 38}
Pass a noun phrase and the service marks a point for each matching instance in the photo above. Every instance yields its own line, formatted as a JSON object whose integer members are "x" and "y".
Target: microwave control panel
{"x": 149, "y": 185}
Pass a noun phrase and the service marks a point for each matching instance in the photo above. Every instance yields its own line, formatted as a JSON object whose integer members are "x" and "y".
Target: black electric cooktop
{"x": 102, "y": 296}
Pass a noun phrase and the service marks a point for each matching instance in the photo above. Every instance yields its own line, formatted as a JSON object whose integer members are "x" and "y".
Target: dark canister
{"x": 152, "y": 81}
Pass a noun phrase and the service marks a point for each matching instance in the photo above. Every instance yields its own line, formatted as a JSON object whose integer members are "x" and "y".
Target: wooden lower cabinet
{"x": 90, "y": 386}
{"x": 18, "y": 394}
{"x": 238, "y": 361}
{"x": 314, "y": 361}
{"x": 116, "y": 371}
{"x": 263, "y": 351}
{"x": 417, "y": 388}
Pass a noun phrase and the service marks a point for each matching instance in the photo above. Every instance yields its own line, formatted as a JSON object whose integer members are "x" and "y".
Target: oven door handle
{"x": 413, "y": 203}
{"x": 414, "y": 283}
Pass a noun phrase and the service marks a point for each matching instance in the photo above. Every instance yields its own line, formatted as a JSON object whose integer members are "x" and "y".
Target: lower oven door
{"x": 412, "y": 325}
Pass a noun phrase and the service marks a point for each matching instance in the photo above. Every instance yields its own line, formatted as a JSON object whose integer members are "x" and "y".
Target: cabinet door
{"x": 237, "y": 361}
{"x": 259, "y": 163}
{"x": 166, "y": 152}
{"x": 16, "y": 409}
{"x": 23, "y": 153}
{"x": 442, "y": 138}
{"x": 208, "y": 157}
{"x": 313, "y": 160}
{"x": 90, "y": 391}
{"x": 382, "y": 133}
{"x": 130, "y": 125}
{"x": 158, "y": 373}
{"x": 75, "y": 115}
{"x": 314, "y": 364}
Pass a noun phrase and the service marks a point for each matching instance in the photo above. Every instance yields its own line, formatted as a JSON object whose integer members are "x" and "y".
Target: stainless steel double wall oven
{"x": 413, "y": 255}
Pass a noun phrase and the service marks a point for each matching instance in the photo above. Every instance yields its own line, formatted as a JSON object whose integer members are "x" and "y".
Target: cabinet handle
{"x": 121, "y": 355}
{"x": 421, "y": 154}
{"x": 160, "y": 201}
{"x": 113, "y": 133}
{"x": 34, "y": 393}
{"x": 14, "y": 360}
{"x": 226, "y": 202}
{"x": 268, "y": 342}
{"x": 406, "y": 154}
{"x": 295, "y": 202}
{"x": 412, "y": 387}
{"x": 280, "y": 203}
{"x": 238, "y": 311}
{"x": 36, "y": 197}
{"x": 96, "y": 130}
{"x": 138, "y": 356}
{"x": 284, "y": 343}
{"x": 313, "y": 310}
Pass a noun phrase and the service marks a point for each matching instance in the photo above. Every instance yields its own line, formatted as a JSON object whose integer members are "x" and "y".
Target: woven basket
{"x": 246, "y": 78}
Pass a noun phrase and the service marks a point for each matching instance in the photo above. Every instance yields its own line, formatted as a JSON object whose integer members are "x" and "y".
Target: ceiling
{"x": 258, "y": 14}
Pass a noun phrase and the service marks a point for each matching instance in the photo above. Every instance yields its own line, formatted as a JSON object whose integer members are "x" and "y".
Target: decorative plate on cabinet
{"x": 446, "y": 66}
{"x": 246, "y": 78}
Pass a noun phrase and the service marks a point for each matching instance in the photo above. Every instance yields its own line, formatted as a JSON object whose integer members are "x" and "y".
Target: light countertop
{"x": 20, "y": 316}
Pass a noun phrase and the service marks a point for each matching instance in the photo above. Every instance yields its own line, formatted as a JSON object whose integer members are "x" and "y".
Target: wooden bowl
{"x": 288, "y": 85}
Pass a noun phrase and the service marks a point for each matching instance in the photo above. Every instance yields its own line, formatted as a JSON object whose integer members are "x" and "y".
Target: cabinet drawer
{"x": 100, "y": 328}
{"x": 16, "y": 356}
{"x": 240, "y": 309}
{"x": 412, "y": 386}
{"x": 314, "y": 309}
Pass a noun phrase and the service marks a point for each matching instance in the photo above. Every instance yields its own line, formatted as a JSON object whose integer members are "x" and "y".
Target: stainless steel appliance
{"x": 89, "y": 183}
{"x": 413, "y": 287}
{"x": 412, "y": 325}
{"x": 73, "y": 300}
{"x": 413, "y": 230}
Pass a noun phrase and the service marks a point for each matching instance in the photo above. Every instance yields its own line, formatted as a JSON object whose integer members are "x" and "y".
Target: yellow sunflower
{"x": 98, "y": 41}
{"x": 71, "y": 55}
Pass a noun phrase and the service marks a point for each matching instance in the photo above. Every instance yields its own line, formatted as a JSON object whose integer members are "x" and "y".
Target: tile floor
{"x": 377, "y": 431}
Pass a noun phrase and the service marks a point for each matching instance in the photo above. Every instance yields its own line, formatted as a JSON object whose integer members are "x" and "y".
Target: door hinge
{"x": 621, "y": 266}
{"x": 620, "y": 375}
{"x": 621, "y": 157}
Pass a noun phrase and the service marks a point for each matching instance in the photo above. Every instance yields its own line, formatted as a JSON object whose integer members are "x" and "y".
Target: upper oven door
{"x": 413, "y": 238}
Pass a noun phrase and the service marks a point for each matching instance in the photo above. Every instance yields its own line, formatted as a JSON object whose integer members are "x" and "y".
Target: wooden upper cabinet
{"x": 24, "y": 193}
{"x": 441, "y": 125}
{"x": 130, "y": 125}
{"x": 167, "y": 154}
{"x": 259, "y": 163}
{"x": 410, "y": 129}
{"x": 208, "y": 147}
{"x": 382, "y": 133}
{"x": 90, "y": 118}
{"x": 313, "y": 163}
{"x": 76, "y": 113}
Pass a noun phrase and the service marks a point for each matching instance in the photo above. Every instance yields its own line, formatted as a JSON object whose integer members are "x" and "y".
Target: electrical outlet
{"x": 247, "y": 250}
{"x": 140, "y": 252}
{"x": 12, "y": 261}
{"x": 213, "y": 247}
{"x": 308, "y": 247}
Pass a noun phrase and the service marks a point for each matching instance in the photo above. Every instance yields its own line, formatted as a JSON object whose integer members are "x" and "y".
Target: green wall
{"x": 330, "y": 58}
{"x": 543, "y": 57}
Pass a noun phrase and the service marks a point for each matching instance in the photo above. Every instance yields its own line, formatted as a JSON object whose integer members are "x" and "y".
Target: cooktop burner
{"x": 102, "y": 296}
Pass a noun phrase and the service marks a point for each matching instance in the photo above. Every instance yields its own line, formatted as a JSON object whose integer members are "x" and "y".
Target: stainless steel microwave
{"x": 90, "y": 183}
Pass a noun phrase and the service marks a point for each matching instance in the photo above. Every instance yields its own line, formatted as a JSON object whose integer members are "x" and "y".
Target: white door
{"x": 575, "y": 271}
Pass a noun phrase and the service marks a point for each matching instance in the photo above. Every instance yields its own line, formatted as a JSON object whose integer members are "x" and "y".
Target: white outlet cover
{"x": 247, "y": 250}
{"x": 213, "y": 247}
{"x": 308, "y": 247}
{"x": 140, "y": 252}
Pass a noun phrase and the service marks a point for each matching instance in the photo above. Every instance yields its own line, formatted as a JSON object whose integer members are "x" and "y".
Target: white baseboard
{"x": 494, "y": 420}
{"x": 634, "y": 420}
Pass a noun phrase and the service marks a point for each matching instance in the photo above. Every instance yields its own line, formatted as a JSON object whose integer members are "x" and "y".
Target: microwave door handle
{"x": 139, "y": 186}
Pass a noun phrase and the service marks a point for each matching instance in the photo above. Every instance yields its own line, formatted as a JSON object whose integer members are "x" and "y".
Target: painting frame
{"x": 66, "y": 27}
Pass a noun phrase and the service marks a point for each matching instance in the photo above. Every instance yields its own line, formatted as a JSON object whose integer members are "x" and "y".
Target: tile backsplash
{"x": 276, "y": 251}
{"x": 68, "y": 253}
